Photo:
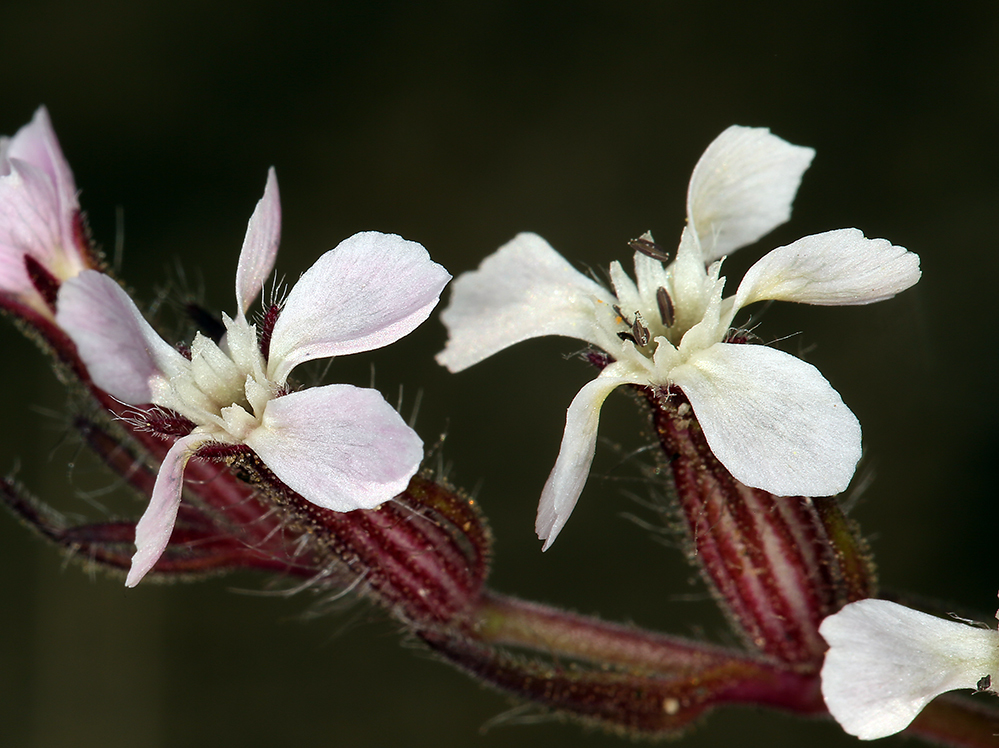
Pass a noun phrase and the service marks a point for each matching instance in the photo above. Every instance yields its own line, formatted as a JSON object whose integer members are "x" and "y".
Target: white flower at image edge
{"x": 339, "y": 446}
{"x": 886, "y": 662}
{"x": 770, "y": 418}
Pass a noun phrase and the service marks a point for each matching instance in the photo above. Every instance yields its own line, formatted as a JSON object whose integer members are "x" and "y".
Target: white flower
{"x": 886, "y": 662}
{"x": 39, "y": 212}
{"x": 771, "y": 419}
{"x": 339, "y": 446}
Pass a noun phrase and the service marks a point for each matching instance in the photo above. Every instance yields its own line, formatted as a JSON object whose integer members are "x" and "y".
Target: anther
{"x": 647, "y": 246}
{"x": 666, "y": 312}
{"x": 640, "y": 331}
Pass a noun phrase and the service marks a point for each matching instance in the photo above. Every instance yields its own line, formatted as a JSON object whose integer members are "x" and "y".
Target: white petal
{"x": 886, "y": 662}
{"x": 260, "y": 246}
{"x": 572, "y": 467}
{"x": 771, "y": 419}
{"x": 743, "y": 187}
{"x": 119, "y": 348}
{"x": 523, "y": 290}
{"x": 339, "y": 446}
{"x": 836, "y": 268}
{"x": 152, "y": 533}
{"x": 368, "y": 292}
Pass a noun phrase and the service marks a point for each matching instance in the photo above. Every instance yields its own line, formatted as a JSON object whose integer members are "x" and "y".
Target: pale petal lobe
{"x": 886, "y": 662}
{"x": 153, "y": 531}
{"x": 369, "y": 291}
{"x": 341, "y": 447}
{"x": 835, "y": 268}
{"x": 772, "y": 420}
{"x": 260, "y": 246}
{"x": 742, "y": 188}
{"x": 121, "y": 350}
{"x": 523, "y": 290}
{"x": 575, "y": 456}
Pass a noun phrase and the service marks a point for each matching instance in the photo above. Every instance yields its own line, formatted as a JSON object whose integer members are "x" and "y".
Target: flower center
{"x": 225, "y": 389}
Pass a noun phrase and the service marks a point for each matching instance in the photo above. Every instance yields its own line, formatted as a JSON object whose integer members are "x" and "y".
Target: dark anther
{"x": 666, "y": 312}
{"x": 640, "y": 331}
{"x": 647, "y": 246}
{"x": 984, "y": 683}
{"x": 627, "y": 336}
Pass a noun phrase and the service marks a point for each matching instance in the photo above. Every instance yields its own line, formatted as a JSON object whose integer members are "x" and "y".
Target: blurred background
{"x": 459, "y": 124}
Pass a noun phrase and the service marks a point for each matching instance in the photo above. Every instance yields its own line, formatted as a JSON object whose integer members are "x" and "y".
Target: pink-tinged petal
{"x": 13, "y": 275}
{"x": 523, "y": 290}
{"x": 771, "y": 419}
{"x": 120, "y": 349}
{"x": 36, "y": 144}
{"x": 836, "y": 268}
{"x": 152, "y": 533}
{"x": 886, "y": 662}
{"x": 341, "y": 447}
{"x": 29, "y": 223}
{"x": 260, "y": 246}
{"x": 572, "y": 468}
{"x": 743, "y": 187}
{"x": 369, "y": 291}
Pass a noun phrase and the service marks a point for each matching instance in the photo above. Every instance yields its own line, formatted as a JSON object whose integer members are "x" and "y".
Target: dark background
{"x": 458, "y": 125}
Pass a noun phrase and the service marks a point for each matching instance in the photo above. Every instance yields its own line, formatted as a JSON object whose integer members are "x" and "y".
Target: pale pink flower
{"x": 339, "y": 446}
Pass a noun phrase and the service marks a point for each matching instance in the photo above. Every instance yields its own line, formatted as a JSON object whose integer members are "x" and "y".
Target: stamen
{"x": 666, "y": 312}
{"x": 640, "y": 331}
{"x": 647, "y": 246}
{"x": 627, "y": 336}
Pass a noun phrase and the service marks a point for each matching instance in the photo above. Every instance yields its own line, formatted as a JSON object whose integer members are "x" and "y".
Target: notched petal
{"x": 835, "y": 268}
{"x": 369, "y": 291}
{"x": 523, "y": 290}
{"x": 771, "y": 419}
{"x": 742, "y": 188}
{"x": 886, "y": 662}
{"x": 340, "y": 447}
{"x": 120, "y": 349}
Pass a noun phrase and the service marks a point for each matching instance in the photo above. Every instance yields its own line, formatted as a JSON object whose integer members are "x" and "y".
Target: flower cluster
{"x": 770, "y": 418}
{"x": 742, "y": 427}
{"x": 339, "y": 446}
